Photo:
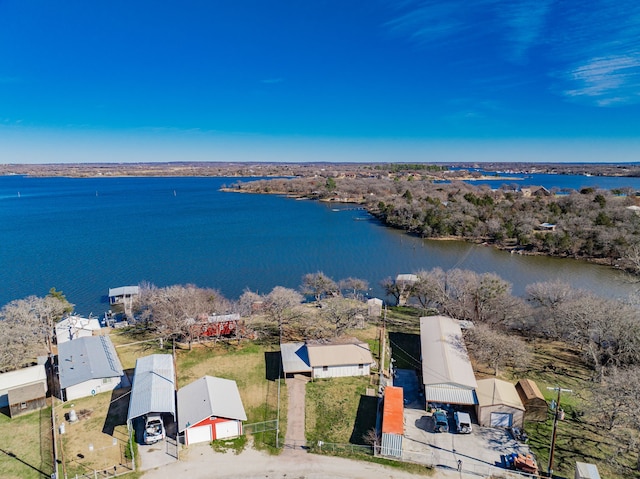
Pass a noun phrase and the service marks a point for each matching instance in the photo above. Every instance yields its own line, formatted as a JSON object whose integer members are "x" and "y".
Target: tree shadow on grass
{"x": 273, "y": 365}
{"x": 11, "y": 454}
{"x": 365, "y": 419}
{"x": 118, "y": 408}
{"x": 405, "y": 350}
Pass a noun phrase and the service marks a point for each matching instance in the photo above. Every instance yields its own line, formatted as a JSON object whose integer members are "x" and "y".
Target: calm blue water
{"x": 83, "y": 236}
{"x": 574, "y": 182}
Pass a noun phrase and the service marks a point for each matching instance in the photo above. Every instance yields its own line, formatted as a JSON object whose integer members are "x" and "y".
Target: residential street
{"x": 200, "y": 462}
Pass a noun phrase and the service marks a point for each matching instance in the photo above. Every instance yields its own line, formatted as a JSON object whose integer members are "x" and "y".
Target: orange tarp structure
{"x": 393, "y": 411}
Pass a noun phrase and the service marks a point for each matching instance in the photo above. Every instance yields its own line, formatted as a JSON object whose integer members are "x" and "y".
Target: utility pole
{"x": 555, "y": 425}
{"x": 383, "y": 347}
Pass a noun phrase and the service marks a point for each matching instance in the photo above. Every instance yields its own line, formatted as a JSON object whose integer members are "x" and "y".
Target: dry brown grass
{"x": 104, "y": 424}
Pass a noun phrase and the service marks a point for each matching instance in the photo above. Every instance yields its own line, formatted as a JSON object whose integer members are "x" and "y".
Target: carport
{"x": 153, "y": 388}
{"x": 447, "y": 374}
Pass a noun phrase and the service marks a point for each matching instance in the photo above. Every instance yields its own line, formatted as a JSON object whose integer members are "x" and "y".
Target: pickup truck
{"x": 153, "y": 429}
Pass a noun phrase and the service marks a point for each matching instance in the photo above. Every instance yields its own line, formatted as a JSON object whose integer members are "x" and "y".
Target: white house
{"x": 89, "y": 366}
{"x": 210, "y": 408}
{"x": 74, "y": 327}
{"x": 446, "y": 370}
{"x": 326, "y": 360}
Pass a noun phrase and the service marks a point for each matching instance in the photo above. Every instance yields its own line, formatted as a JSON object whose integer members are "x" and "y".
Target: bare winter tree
{"x": 430, "y": 289}
{"x": 318, "y": 285}
{"x": 174, "y": 310}
{"x": 497, "y": 349}
{"x": 281, "y": 307}
{"x": 342, "y": 313}
{"x": 27, "y": 326}
{"x": 355, "y": 286}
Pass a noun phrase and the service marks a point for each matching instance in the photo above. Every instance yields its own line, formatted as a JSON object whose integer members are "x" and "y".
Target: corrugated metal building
{"x": 447, "y": 374}
{"x": 153, "y": 388}
{"x": 210, "y": 408}
{"x": 499, "y": 404}
{"x": 392, "y": 422}
{"x": 89, "y": 366}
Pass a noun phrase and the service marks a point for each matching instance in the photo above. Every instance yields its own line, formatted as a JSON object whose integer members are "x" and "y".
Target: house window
{"x": 360, "y": 366}
{"x": 106, "y": 380}
{"x": 325, "y": 368}
{"x": 23, "y": 405}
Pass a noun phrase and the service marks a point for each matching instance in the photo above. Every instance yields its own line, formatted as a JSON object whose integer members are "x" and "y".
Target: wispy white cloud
{"x": 607, "y": 81}
{"x": 599, "y": 54}
{"x": 518, "y": 23}
{"x": 272, "y": 80}
{"x": 527, "y": 20}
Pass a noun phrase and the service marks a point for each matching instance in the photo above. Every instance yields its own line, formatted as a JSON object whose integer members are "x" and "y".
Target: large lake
{"x": 83, "y": 236}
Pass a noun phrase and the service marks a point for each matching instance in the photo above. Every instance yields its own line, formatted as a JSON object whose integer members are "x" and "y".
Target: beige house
{"x": 326, "y": 360}
{"x": 499, "y": 404}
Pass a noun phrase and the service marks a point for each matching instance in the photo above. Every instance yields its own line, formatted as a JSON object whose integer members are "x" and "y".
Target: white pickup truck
{"x": 153, "y": 429}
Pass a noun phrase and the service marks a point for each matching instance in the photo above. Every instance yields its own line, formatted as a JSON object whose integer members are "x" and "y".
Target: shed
{"x": 447, "y": 374}
{"x": 23, "y": 390}
{"x": 392, "y": 422}
{"x": 89, "y": 366}
{"x": 586, "y": 471}
{"x": 532, "y": 399}
{"x": 153, "y": 388}
{"x": 210, "y": 408}
{"x": 374, "y": 307}
{"x": 499, "y": 404}
{"x": 74, "y": 327}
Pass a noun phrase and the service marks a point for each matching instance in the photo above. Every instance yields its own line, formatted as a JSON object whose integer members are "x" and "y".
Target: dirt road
{"x": 200, "y": 462}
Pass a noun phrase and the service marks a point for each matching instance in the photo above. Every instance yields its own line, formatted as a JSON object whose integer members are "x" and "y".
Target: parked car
{"x": 442, "y": 423}
{"x": 153, "y": 429}
{"x": 463, "y": 422}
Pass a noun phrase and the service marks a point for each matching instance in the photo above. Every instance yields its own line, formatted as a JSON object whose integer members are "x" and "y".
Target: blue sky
{"x": 401, "y": 80}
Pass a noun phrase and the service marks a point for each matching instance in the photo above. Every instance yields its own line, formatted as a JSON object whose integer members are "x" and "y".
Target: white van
{"x": 463, "y": 422}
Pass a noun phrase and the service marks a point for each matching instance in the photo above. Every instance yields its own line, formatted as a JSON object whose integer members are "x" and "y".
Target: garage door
{"x": 227, "y": 429}
{"x": 501, "y": 419}
{"x": 199, "y": 434}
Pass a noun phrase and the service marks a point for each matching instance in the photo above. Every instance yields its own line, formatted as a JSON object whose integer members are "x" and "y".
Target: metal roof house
{"x": 23, "y": 390}
{"x": 326, "y": 359}
{"x": 89, "y": 366}
{"x": 74, "y": 327}
{"x": 447, "y": 374}
{"x": 153, "y": 387}
{"x": 499, "y": 404}
{"x": 392, "y": 422}
{"x": 210, "y": 408}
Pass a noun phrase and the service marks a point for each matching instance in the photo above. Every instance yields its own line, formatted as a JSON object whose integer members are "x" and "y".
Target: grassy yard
{"x": 26, "y": 447}
{"x": 579, "y": 436}
{"x": 338, "y": 411}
